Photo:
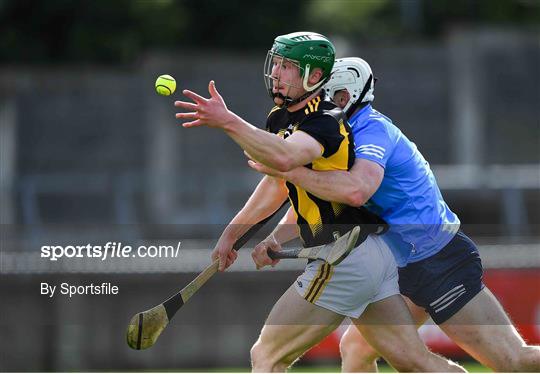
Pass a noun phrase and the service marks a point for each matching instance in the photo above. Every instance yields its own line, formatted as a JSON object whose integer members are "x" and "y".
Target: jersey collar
{"x": 309, "y": 104}
{"x": 360, "y": 113}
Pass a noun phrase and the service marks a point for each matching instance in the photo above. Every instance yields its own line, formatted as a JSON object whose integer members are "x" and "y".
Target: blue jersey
{"x": 421, "y": 223}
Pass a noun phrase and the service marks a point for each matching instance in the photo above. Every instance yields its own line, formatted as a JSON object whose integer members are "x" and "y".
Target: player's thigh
{"x": 293, "y": 326}
{"x": 419, "y": 314}
{"x": 388, "y": 327}
{"x": 353, "y": 342}
{"x": 352, "y": 335}
{"x": 484, "y": 330}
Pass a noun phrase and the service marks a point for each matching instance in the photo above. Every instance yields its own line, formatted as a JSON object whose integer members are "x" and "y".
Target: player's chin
{"x": 278, "y": 101}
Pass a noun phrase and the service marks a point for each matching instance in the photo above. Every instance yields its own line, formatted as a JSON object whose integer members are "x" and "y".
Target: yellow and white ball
{"x": 165, "y": 85}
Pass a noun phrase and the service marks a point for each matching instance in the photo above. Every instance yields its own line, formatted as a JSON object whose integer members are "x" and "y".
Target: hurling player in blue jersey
{"x": 439, "y": 267}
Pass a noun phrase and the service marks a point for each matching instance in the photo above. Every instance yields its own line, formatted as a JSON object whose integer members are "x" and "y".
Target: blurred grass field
{"x": 470, "y": 366}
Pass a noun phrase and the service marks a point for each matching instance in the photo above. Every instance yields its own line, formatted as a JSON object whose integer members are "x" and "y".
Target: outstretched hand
{"x": 210, "y": 112}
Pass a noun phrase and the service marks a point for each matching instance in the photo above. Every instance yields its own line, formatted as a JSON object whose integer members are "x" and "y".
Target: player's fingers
{"x": 195, "y": 97}
{"x": 260, "y": 255}
{"x": 222, "y": 261}
{"x": 191, "y": 115}
{"x": 256, "y": 260}
{"x": 232, "y": 256}
{"x": 213, "y": 90}
{"x": 222, "y": 258}
{"x": 230, "y": 260}
{"x": 263, "y": 169}
{"x": 193, "y": 124}
{"x": 186, "y": 105}
{"x": 256, "y": 166}
{"x": 274, "y": 246}
{"x": 274, "y": 262}
{"x": 260, "y": 249}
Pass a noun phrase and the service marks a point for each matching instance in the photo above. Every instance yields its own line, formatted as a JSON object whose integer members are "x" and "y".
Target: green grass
{"x": 471, "y": 366}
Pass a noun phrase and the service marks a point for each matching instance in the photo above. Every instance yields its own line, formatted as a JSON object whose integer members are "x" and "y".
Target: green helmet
{"x": 308, "y": 50}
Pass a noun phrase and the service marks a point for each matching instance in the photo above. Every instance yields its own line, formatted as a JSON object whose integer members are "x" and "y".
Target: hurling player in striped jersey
{"x": 305, "y": 129}
{"x": 440, "y": 271}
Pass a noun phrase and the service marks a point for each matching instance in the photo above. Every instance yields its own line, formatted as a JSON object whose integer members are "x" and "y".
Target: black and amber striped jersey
{"x": 320, "y": 220}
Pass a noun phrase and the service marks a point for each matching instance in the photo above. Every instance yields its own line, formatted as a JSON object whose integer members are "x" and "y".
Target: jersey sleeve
{"x": 325, "y": 130}
{"x": 373, "y": 142}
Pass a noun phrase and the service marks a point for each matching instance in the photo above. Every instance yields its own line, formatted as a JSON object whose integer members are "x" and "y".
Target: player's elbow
{"x": 357, "y": 198}
{"x": 284, "y": 163}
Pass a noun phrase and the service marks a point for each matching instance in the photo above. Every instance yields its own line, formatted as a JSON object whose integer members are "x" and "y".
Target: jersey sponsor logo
{"x": 285, "y": 133}
{"x": 371, "y": 150}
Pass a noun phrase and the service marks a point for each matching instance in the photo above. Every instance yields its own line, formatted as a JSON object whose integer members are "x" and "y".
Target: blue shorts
{"x": 443, "y": 283}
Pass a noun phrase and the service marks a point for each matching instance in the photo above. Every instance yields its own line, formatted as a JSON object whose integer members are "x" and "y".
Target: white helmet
{"x": 354, "y": 75}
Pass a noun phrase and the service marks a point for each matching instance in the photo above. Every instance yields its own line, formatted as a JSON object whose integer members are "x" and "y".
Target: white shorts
{"x": 368, "y": 274}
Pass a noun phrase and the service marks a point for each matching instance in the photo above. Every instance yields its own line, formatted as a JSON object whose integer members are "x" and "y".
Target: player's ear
{"x": 341, "y": 98}
{"x": 315, "y": 76}
{"x": 345, "y": 98}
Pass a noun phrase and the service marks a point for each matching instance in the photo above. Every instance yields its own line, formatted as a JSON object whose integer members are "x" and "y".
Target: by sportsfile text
{"x": 72, "y": 290}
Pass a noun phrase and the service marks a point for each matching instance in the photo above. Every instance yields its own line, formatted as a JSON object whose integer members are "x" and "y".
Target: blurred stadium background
{"x": 90, "y": 154}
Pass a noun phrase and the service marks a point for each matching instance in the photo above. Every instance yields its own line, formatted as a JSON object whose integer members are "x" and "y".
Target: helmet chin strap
{"x": 306, "y": 78}
{"x": 288, "y": 101}
{"x": 359, "y": 104}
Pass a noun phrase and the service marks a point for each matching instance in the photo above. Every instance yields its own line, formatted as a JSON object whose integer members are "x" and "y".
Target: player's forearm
{"x": 262, "y": 146}
{"x": 246, "y": 218}
{"x": 268, "y": 197}
{"x": 337, "y": 186}
{"x": 287, "y": 229}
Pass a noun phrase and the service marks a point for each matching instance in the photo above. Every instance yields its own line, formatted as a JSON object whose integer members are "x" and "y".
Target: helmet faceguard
{"x": 307, "y": 51}
{"x": 273, "y": 58}
{"x": 355, "y": 76}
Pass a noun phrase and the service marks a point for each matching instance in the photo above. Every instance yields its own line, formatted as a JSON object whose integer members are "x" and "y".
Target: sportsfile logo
{"x": 109, "y": 250}
{"x": 317, "y": 58}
